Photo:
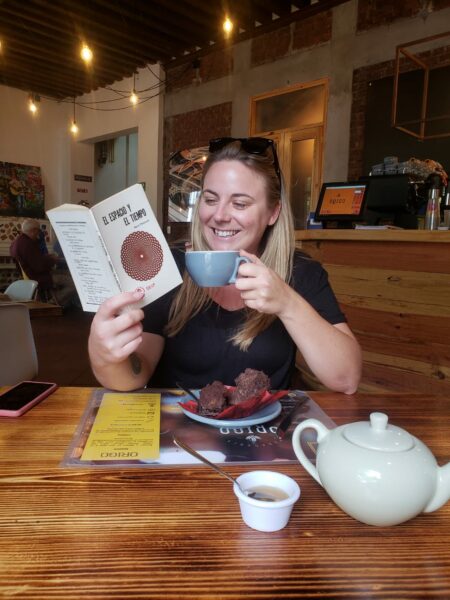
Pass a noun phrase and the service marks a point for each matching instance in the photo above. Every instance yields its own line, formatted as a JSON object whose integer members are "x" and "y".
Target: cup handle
{"x": 322, "y": 432}
{"x": 239, "y": 260}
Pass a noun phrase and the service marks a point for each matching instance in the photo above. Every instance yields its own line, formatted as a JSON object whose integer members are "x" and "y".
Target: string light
{"x": 32, "y": 103}
{"x": 134, "y": 98}
{"x": 228, "y": 25}
{"x": 86, "y": 53}
{"x": 74, "y": 127}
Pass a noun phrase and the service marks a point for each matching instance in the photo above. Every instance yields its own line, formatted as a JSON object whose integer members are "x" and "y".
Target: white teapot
{"x": 377, "y": 473}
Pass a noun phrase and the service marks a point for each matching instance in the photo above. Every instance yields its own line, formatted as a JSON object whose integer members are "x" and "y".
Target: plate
{"x": 262, "y": 416}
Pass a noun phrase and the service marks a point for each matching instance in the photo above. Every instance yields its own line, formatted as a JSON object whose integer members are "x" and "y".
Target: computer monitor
{"x": 342, "y": 202}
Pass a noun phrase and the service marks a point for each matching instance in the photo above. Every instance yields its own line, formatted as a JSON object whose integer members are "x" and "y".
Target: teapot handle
{"x": 322, "y": 432}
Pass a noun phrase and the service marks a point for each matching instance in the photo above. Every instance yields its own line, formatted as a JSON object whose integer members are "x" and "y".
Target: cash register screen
{"x": 341, "y": 201}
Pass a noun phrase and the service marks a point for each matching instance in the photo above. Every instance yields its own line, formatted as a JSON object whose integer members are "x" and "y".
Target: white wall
{"x": 146, "y": 118}
{"x": 41, "y": 140}
{"x": 44, "y": 140}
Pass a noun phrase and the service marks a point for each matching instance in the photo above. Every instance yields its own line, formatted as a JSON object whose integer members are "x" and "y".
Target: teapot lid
{"x": 378, "y": 435}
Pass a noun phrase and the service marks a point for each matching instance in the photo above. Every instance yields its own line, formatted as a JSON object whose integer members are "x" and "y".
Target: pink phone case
{"x": 23, "y": 409}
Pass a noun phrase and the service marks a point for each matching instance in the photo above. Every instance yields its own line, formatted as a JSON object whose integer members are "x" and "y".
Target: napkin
{"x": 243, "y": 409}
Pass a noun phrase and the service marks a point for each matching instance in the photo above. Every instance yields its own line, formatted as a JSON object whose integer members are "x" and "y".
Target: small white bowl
{"x": 261, "y": 515}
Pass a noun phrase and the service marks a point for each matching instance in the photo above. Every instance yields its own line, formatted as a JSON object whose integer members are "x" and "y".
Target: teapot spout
{"x": 442, "y": 493}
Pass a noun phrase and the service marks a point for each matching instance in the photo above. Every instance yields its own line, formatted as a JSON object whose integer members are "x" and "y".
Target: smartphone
{"x": 23, "y": 396}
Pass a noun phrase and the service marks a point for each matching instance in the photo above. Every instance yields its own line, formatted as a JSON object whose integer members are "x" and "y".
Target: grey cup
{"x": 213, "y": 268}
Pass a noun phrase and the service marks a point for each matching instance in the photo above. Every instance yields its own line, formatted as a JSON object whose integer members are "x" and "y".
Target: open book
{"x": 115, "y": 246}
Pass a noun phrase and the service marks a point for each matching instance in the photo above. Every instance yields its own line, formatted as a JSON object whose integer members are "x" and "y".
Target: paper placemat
{"x": 239, "y": 445}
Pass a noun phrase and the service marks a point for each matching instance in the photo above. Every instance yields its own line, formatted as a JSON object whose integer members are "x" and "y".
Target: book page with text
{"x": 88, "y": 263}
{"x": 136, "y": 245}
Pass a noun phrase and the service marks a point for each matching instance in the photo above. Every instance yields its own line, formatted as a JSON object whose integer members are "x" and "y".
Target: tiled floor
{"x": 61, "y": 344}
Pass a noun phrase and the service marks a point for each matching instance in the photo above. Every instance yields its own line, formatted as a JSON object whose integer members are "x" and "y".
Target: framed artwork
{"x": 21, "y": 191}
{"x": 185, "y": 172}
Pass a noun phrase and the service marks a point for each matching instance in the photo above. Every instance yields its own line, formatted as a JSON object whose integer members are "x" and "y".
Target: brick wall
{"x": 373, "y": 13}
{"x": 192, "y": 130}
{"x": 312, "y": 31}
{"x": 271, "y": 46}
{"x": 196, "y": 128}
{"x": 302, "y": 34}
{"x": 212, "y": 66}
{"x": 361, "y": 79}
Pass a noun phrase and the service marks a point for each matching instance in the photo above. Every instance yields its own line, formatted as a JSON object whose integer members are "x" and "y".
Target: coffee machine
{"x": 394, "y": 199}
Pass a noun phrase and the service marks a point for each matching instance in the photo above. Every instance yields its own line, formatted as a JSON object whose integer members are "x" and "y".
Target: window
{"x": 294, "y": 117}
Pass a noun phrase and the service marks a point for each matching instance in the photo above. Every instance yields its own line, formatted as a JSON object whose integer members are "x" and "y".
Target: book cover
{"x": 115, "y": 246}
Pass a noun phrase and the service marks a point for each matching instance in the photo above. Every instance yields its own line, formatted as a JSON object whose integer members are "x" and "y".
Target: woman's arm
{"x": 122, "y": 356}
{"x": 331, "y": 351}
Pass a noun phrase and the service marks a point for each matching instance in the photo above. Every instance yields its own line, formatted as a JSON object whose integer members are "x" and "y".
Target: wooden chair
{"x": 18, "y": 357}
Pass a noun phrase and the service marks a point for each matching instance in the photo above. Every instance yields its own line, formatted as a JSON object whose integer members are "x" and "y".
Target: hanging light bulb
{"x": 86, "y": 53}
{"x": 74, "y": 127}
{"x": 32, "y": 103}
{"x": 227, "y": 25}
{"x": 134, "y": 99}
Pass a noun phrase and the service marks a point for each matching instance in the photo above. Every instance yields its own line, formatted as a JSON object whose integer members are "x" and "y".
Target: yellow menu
{"x": 126, "y": 428}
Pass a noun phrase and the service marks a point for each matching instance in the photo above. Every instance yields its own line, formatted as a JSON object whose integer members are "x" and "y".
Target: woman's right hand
{"x": 116, "y": 330}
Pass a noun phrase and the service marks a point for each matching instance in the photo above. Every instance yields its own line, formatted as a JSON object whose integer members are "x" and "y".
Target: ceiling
{"x": 41, "y": 39}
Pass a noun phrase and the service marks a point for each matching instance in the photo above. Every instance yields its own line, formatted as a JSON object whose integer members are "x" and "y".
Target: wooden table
{"x": 177, "y": 532}
{"x": 37, "y": 309}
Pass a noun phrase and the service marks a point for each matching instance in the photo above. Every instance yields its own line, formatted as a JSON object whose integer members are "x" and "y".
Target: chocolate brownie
{"x": 248, "y": 384}
{"x": 212, "y": 399}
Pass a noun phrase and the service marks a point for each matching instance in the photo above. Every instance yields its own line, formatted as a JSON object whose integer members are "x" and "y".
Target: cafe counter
{"x": 394, "y": 288}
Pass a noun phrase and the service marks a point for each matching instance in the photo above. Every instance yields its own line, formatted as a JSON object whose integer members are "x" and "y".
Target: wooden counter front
{"x": 394, "y": 287}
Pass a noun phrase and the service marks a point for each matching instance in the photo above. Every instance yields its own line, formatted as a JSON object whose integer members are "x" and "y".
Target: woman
{"x": 281, "y": 301}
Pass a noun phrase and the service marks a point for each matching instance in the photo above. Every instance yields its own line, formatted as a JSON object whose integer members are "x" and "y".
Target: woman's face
{"x": 233, "y": 211}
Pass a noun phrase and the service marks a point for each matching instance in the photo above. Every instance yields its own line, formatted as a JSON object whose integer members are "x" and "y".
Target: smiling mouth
{"x": 225, "y": 233}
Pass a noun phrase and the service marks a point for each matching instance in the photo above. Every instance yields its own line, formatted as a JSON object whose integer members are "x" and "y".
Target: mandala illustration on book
{"x": 141, "y": 255}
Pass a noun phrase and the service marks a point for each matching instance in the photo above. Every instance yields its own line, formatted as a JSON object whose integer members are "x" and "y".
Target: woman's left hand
{"x": 260, "y": 287}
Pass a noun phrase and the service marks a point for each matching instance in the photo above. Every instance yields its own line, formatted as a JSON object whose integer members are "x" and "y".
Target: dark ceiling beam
{"x": 302, "y": 13}
{"x": 36, "y": 83}
{"x": 50, "y": 29}
{"x": 108, "y": 27}
{"x": 154, "y": 28}
{"x": 51, "y": 56}
{"x": 192, "y": 16}
{"x": 191, "y": 21}
{"x": 36, "y": 76}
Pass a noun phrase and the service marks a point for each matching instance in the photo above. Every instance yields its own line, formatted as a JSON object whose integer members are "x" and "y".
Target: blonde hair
{"x": 276, "y": 249}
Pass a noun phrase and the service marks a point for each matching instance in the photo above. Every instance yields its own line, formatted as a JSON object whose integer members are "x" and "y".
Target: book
{"x": 115, "y": 246}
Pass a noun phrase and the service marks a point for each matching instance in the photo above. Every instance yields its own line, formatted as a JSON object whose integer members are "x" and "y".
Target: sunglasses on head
{"x": 251, "y": 145}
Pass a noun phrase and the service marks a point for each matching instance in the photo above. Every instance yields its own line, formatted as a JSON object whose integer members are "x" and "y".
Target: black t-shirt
{"x": 201, "y": 352}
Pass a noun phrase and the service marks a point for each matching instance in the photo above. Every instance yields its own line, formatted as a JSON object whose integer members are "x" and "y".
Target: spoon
{"x": 254, "y": 495}
{"x": 187, "y": 391}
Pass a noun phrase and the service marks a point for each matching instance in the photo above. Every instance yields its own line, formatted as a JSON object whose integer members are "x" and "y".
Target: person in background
{"x": 42, "y": 242}
{"x": 25, "y": 249}
{"x": 281, "y": 302}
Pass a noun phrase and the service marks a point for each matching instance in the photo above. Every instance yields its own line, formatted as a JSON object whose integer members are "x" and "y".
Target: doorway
{"x": 115, "y": 165}
{"x": 294, "y": 118}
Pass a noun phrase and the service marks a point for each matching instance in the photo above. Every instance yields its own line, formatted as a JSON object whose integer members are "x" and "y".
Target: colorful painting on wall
{"x": 185, "y": 172}
{"x": 21, "y": 191}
